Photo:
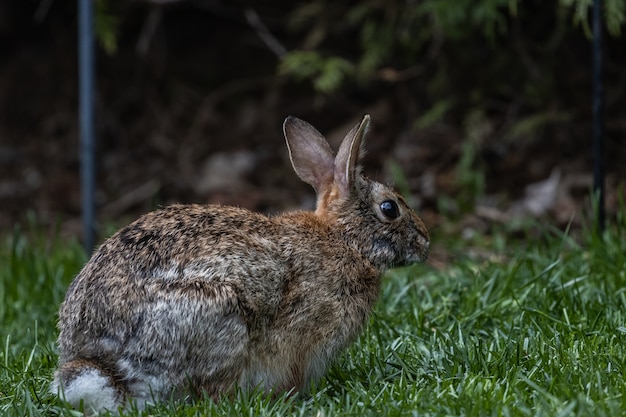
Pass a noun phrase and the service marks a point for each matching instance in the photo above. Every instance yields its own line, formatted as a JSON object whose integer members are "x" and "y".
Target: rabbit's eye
{"x": 390, "y": 209}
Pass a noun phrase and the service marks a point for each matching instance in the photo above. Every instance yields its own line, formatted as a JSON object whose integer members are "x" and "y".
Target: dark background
{"x": 190, "y": 104}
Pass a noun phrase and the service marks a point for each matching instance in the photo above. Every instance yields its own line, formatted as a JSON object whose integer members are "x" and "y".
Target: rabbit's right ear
{"x": 310, "y": 154}
{"x": 347, "y": 161}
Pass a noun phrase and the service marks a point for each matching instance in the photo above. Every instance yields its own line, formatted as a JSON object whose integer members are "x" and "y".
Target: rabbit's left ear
{"x": 310, "y": 154}
{"x": 347, "y": 159}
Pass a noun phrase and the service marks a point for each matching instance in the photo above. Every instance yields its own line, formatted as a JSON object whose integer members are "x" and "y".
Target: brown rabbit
{"x": 196, "y": 299}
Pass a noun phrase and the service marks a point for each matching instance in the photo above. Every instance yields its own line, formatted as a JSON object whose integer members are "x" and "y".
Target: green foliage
{"x": 469, "y": 177}
{"x": 433, "y": 115}
{"x": 106, "y": 26}
{"x": 535, "y": 122}
{"x": 529, "y": 327}
{"x": 402, "y": 34}
{"x": 458, "y": 18}
{"x": 327, "y": 73}
{"x": 613, "y": 14}
{"x": 469, "y": 173}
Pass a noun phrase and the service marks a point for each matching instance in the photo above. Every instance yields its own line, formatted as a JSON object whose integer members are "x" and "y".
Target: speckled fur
{"x": 196, "y": 299}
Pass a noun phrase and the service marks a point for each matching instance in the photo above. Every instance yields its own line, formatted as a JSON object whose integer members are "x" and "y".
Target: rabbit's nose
{"x": 423, "y": 240}
{"x": 423, "y": 245}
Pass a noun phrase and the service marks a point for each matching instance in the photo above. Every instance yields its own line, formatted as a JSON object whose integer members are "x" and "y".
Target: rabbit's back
{"x": 204, "y": 297}
{"x": 181, "y": 281}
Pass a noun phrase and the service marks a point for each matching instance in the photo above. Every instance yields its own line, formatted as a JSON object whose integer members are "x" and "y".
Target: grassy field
{"x": 534, "y": 326}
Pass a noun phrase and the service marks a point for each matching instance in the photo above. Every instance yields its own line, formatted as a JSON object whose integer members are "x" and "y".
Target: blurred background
{"x": 481, "y": 109}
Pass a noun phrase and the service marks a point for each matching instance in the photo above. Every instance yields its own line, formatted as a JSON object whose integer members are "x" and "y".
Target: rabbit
{"x": 194, "y": 300}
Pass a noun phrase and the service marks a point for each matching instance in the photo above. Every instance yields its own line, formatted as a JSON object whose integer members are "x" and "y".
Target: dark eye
{"x": 390, "y": 209}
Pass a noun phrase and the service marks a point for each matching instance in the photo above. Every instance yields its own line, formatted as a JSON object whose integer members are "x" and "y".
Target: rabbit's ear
{"x": 310, "y": 154}
{"x": 346, "y": 162}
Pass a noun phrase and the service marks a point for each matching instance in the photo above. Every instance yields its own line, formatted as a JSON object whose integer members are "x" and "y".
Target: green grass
{"x": 532, "y": 327}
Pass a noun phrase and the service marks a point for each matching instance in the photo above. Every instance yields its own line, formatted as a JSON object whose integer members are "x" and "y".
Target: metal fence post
{"x": 86, "y": 120}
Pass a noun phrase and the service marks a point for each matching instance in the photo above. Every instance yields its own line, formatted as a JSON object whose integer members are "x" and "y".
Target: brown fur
{"x": 213, "y": 297}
